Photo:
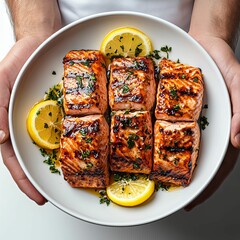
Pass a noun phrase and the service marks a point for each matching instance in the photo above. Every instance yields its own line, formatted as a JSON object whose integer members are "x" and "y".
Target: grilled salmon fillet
{"x": 131, "y": 142}
{"x": 84, "y": 84}
{"x": 132, "y": 84}
{"x": 84, "y": 151}
{"x": 176, "y": 147}
{"x": 179, "y": 93}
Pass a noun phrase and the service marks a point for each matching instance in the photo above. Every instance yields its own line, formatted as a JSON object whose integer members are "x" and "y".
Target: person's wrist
{"x": 40, "y": 34}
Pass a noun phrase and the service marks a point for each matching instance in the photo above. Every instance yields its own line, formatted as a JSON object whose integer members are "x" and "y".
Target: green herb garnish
{"x": 86, "y": 153}
{"x": 88, "y": 140}
{"x": 162, "y": 186}
{"x": 148, "y": 146}
{"x": 125, "y": 89}
{"x": 104, "y": 198}
{"x": 203, "y": 122}
{"x": 155, "y": 54}
{"x": 55, "y": 93}
{"x": 173, "y": 93}
{"x": 50, "y": 159}
{"x": 86, "y": 63}
{"x": 166, "y": 49}
{"x": 131, "y": 140}
{"x": 138, "y": 50}
{"x": 176, "y": 107}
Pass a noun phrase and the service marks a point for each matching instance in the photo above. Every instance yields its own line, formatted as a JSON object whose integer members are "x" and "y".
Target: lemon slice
{"x": 129, "y": 192}
{"x": 44, "y": 124}
{"x": 126, "y": 42}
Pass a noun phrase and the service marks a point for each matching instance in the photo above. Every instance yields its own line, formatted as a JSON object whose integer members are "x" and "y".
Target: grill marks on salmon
{"x": 176, "y": 147}
{"x": 170, "y": 158}
{"x": 131, "y": 142}
{"x": 176, "y": 132}
{"x": 84, "y": 84}
{"x": 84, "y": 151}
{"x": 180, "y": 92}
{"x": 132, "y": 84}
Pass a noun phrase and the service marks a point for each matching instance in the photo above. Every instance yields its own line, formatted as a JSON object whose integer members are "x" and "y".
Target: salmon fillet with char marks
{"x": 84, "y": 151}
{"x": 179, "y": 93}
{"x": 84, "y": 84}
{"x": 132, "y": 84}
{"x": 131, "y": 142}
{"x": 176, "y": 147}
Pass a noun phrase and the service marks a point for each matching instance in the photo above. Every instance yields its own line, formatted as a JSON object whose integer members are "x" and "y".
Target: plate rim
{"x": 35, "y": 54}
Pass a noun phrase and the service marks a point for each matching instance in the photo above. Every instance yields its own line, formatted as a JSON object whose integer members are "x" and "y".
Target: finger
{"x": 18, "y": 175}
{"x": 4, "y": 98}
{"x": 235, "y": 98}
{"x": 226, "y": 167}
{"x": 230, "y": 69}
{"x": 9, "y": 69}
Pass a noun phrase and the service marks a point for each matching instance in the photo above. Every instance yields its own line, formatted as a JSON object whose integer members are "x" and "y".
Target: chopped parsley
{"x": 125, "y": 177}
{"x": 148, "y": 146}
{"x": 83, "y": 131}
{"x": 131, "y": 140}
{"x": 104, "y": 198}
{"x": 120, "y": 39}
{"x": 51, "y": 159}
{"x": 173, "y": 93}
{"x": 138, "y": 50}
{"x": 85, "y": 154}
{"x": 79, "y": 81}
{"x": 155, "y": 54}
{"x": 203, "y": 122}
{"x": 71, "y": 63}
{"x": 55, "y": 93}
{"x": 166, "y": 49}
{"x": 89, "y": 165}
{"x": 127, "y": 111}
{"x": 125, "y": 89}
{"x": 176, "y": 107}
{"x": 88, "y": 140}
{"x": 162, "y": 186}
{"x": 86, "y": 63}
{"x": 195, "y": 79}
{"x": 136, "y": 166}
{"x": 183, "y": 76}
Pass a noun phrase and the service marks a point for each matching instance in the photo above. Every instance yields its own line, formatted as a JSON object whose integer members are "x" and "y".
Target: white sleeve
{"x": 175, "y": 11}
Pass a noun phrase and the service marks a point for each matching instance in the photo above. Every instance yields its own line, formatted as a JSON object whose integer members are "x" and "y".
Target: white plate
{"x": 36, "y": 77}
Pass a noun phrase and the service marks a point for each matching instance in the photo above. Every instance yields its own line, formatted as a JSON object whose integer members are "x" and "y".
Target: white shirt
{"x": 175, "y": 11}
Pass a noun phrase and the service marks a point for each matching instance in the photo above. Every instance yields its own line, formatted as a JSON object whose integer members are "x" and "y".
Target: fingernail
{"x": 2, "y": 136}
{"x": 237, "y": 139}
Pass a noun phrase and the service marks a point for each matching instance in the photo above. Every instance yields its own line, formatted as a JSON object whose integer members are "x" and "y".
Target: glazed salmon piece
{"x": 176, "y": 147}
{"x": 131, "y": 142}
{"x": 132, "y": 84}
{"x": 84, "y": 84}
{"x": 179, "y": 93}
{"x": 84, "y": 151}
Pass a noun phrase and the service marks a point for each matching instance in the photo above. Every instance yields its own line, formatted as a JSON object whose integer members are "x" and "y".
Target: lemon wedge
{"x": 130, "y": 192}
{"x": 44, "y": 124}
{"x": 125, "y": 42}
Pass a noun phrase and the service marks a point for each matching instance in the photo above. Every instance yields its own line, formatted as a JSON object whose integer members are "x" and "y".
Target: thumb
{"x": 5, "y": 89}
{"x": 9, "y": 69}
{"x": 234, "y": 89}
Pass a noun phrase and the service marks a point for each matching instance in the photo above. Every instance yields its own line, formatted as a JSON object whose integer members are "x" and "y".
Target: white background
{"x": 20, "y": 218}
